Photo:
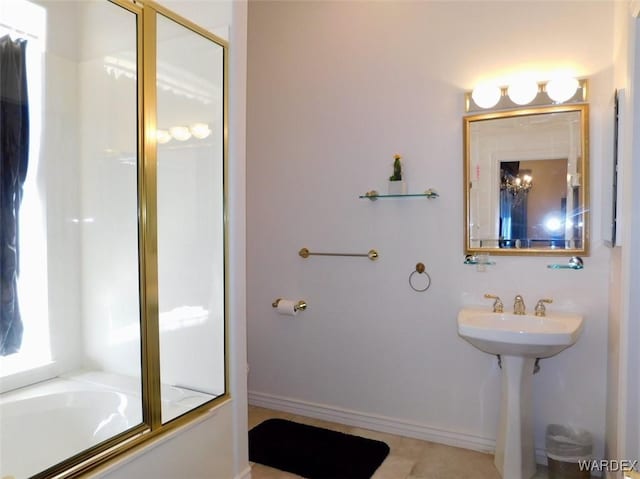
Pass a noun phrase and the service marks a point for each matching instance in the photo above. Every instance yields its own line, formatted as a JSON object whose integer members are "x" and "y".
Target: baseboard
{"x": 371, "y": 421}
{"x": 245, "y": 474}
{"x": 379, "y": 423}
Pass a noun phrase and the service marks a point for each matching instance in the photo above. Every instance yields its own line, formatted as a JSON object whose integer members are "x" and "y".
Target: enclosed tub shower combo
{"x": 113, "y": 326}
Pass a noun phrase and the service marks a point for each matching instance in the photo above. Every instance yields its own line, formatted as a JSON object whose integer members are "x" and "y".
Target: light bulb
{"x": 486, "y": 96}
{"x": 561, "y": 89}
{"x": 180, "y": 133}
{"x": 200, "y": 130}
{"x": 523, "y": 91}
{"x": 163, "y": 136}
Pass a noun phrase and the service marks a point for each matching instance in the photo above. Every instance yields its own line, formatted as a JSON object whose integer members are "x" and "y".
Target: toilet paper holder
{"x": 300, "y": 305}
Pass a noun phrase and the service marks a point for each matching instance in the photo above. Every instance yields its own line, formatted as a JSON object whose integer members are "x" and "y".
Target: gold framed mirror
{"x": 526, "y": 181}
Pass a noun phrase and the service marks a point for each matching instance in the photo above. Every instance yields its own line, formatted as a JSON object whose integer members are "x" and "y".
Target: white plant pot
{"x": 397, "y": 187}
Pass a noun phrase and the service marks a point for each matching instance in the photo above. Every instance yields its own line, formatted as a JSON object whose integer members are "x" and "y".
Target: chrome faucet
{"x": 498, "y": 307}
{"x": 518, "y": 305}
{"x": 540, "y": 309}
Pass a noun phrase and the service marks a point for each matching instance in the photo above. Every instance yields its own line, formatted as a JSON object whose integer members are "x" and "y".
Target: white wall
{"x": 629, "y": 416}
{"x": 631, "y": 299}
{"x": 60, "y": 171}
{"x": 622, "y": 382}
{"x": 237, "y": 211}
{"x": 334, "y": 90}
{"x": 622, "y": 77}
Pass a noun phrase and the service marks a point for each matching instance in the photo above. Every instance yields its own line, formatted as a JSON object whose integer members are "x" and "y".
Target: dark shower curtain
{"x": 14, "y": 153}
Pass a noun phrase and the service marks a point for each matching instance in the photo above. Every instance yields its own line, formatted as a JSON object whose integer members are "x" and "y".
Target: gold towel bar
{"x": 372, "y": 254}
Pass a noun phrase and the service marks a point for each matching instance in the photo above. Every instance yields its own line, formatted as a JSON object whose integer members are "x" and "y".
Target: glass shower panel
{"x": 191, "y": 245}
{"x": 82, "y": 184}
{"x": 108, "y": 139}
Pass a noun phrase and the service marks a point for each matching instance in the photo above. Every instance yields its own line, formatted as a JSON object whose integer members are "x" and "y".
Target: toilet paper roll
{"x": 287, "y": 307}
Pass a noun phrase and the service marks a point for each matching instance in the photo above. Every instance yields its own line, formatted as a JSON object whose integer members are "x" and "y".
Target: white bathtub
{"x": 52, "y": 421}
{"x": 48, "y": 422}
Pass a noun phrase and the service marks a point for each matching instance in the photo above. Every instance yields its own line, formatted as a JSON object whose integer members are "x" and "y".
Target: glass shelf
{"x": 374, "y": 195}
{"x": 564, "y": 266}
{"x": 473, "y": 259}
{"x": 481, "y": 263}
{"x": 574, "y": 263}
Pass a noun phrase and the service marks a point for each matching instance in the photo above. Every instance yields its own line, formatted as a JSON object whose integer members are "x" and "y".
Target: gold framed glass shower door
{"x": 190, "y": 216}
{"x": 136, "y": 222}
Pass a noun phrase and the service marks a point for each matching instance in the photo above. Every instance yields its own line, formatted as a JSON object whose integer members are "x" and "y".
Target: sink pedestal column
{"x": 515, "y": 453}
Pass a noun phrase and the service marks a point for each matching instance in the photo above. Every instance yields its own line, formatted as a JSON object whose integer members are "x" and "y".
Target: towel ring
{"x": 420, "y": 269}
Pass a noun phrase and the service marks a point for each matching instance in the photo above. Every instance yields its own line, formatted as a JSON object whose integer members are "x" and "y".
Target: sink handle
{"x": 540, "y": 309}
{"x": 498, "y": 307}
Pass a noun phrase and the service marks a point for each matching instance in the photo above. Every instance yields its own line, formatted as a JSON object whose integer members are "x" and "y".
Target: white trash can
{"x": 566, "y": 448}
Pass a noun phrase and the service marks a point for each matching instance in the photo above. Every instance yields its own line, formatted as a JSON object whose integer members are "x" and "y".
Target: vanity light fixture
{"x": 180, "y": 133}
{"x": 524, "y": 91}
{"x": 183, "y": 133}
{"x": 561, "y": 89}
{"x": 487, "y": 95}
{"x": 200, "y": 130}
{"x": 163, "y": 136}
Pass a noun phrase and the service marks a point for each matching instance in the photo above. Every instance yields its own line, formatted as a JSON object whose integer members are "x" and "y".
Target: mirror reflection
{"x": 526, "y": 177}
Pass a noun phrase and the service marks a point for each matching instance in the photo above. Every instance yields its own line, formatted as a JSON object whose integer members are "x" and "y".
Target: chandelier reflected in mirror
{"x": 516, "y": 185}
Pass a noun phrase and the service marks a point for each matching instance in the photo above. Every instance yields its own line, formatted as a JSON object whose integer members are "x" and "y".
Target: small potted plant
{"x": 397, "y": 185}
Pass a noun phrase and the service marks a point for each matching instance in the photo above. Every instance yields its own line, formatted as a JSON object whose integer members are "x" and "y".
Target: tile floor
{"x": 408, "y": 459}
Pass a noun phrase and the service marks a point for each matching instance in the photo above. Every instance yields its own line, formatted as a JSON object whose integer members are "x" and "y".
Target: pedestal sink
{"x": 519, "y": 340}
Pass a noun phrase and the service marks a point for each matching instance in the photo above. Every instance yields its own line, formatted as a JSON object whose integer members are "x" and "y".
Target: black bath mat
{"x": 314, "y": 452}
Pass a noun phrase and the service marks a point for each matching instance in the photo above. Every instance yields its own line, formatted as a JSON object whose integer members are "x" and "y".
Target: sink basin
{"x": 519, "y": 340}
{"x": 519, "y": 335}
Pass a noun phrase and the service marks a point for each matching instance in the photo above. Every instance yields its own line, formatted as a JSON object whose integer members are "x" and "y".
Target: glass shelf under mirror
{"x": 575, "y": 263}
{"x": 374, "y": 195}
{"x": 478, "y": 260}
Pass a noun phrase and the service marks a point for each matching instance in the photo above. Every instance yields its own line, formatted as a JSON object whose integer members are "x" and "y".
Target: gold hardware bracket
{"x": 420, "y": 268}
{"x": 372, "y": 195}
